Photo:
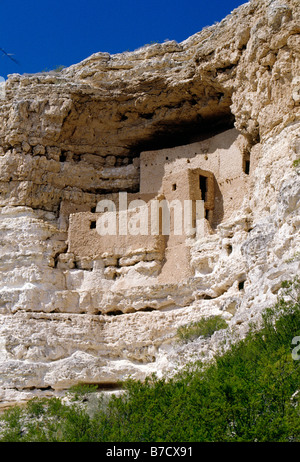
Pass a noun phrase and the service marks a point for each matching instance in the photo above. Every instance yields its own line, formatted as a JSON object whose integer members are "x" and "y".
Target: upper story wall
{"x": 223, "y": 156}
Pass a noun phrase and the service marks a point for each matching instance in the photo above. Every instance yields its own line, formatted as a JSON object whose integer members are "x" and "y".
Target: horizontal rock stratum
{"x": 216, "y": 118}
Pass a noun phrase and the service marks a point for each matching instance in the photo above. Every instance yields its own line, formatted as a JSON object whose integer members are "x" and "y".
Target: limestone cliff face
{"x": 68, "y": 139}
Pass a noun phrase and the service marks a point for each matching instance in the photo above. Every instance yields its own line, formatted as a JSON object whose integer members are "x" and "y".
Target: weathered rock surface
{"x": 73, "y": 136}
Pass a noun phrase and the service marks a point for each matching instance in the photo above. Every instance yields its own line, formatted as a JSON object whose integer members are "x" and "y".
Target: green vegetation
{"x": 296, "y": 163}
{"x": 56, "y": 69}
{"x": 295, "y": 257}
{"x": 59, "y": 68}
{"x": 81, "y": 390}
{"x": 249, "y": 393}
{"x": 203, "y": 328}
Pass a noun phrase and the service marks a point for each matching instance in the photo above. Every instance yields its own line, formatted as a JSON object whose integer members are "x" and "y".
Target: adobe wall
{"x": 68, "y": 207}
{"x": 221, "y": 155}
{"x": 162, "y": 256}
{"x": 86, "y": 242}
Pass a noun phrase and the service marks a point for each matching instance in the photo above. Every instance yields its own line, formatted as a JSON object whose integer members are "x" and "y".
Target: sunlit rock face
{"x": 223, "y": 106}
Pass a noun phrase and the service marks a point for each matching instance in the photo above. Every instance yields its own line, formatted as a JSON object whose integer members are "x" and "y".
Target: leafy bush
{"x": 249, "y": 393}
{"x": 80, "y": 390}
{"x": 296, "y": 163}
{"x": 11, "y": 427}
{"x": 203, "y": 328}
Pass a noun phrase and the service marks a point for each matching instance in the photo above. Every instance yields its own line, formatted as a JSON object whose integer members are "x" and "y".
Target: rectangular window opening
{"x": 247, "y": 167}
{"x": 203, "y": 186}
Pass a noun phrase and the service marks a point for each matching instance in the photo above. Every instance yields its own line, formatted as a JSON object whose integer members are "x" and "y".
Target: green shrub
{"x": 203, "y": 328}
{"x": 80, "y": 390}
{"x": 35, "y": 407}
{"x": 296, "y": 163}
{"x": 12, "y": 425}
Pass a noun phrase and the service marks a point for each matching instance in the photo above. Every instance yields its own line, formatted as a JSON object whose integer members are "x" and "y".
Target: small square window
{"x": 93, "y": 224}
{"x": 241, "y": 285}
{"x": 174, "y": 187}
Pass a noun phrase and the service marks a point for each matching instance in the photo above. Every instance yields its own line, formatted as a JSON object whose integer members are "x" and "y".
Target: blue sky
{"x": 44, "y": 34}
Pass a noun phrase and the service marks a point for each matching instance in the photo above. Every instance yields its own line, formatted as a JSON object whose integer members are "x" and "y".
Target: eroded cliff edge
{"x": 68, "y": 139}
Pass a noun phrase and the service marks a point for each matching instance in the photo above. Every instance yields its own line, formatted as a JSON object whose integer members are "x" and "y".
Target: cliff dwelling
{"x": 213, "y": 172}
